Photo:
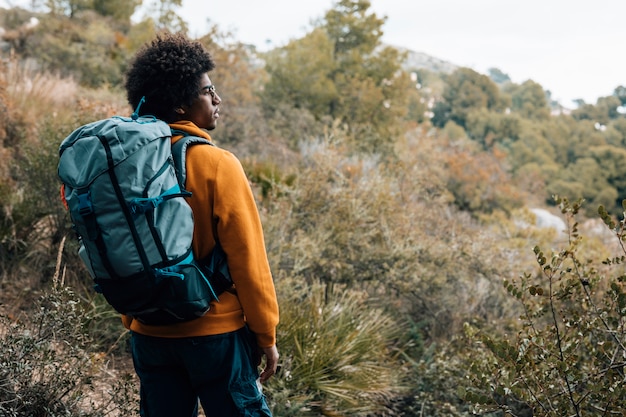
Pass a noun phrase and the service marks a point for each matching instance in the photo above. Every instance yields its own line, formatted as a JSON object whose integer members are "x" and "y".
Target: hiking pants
{"x": 218, "y": 370}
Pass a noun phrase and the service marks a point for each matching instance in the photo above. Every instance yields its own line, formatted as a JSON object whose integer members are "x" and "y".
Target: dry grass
{"x": 33, "y": 90}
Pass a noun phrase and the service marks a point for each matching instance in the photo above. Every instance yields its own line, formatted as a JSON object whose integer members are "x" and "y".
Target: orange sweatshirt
{"x": 223, "y": 205}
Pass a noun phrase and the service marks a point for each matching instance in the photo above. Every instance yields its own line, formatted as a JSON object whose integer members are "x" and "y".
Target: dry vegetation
{"x": 389, "y": 266}
{"x": 379, "y": 277}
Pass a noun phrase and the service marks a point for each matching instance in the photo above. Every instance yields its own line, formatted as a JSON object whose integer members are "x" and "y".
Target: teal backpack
{"x": 126, "y": 200}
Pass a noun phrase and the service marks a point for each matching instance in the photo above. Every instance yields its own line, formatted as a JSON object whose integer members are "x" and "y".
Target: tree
{"x": 498, "y": 76}
{"x": 301, "y": 75}
{"x": 584, "y": 136}
{"x": 340, "y": 70}
{"x": 531, "y": 147}
{"x": 619, "y": 137}
{"x": 120, "y": 10}
{"x": 466, "y": 90}
{"x": 165, "y": 17}
{"x": 558, "y": 132}
{"x": 372, "y": 88}
{"x": 488, "y": 127}
{"x": 352, "y": 30}
{"x": 86, "y": 47}
{"x": 620, "y": 93}
{"x": 612, "y": 161}
{"x": 239, "y": 77}
{"x": 606, "y": 109}
{"x": 68, "y": 7}
{"x": 598, "y": 178}
{"x": 529, "y": 99}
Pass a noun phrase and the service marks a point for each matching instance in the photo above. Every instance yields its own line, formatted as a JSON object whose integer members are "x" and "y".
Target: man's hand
{"x": 271, "y": 362}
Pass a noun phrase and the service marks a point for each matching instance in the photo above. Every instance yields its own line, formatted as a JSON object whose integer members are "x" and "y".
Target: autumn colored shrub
{"x": 384, "y": 229}
{"x": 43, "y": 109}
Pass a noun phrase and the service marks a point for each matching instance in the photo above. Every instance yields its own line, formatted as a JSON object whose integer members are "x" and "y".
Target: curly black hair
{"x": 166, "y": 72}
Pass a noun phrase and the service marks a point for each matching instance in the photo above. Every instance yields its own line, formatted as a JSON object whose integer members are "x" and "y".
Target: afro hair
{"x": 166, "y": 73}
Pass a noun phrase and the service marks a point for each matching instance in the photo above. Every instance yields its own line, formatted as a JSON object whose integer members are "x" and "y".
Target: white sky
{"x": 574, "y": 48}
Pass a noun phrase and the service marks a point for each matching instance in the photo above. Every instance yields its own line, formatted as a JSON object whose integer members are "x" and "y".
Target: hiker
{"x": 214, "y": 358}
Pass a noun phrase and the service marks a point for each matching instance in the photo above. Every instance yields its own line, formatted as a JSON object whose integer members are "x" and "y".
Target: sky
{"x": 574, "y": 48}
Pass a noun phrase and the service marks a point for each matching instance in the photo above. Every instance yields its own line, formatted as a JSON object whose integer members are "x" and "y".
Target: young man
{"x": 213, "y": 358}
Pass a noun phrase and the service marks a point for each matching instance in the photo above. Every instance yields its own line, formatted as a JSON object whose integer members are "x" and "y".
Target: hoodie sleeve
{"x": 240, "y": 233}
{"x": 224, "y": 194}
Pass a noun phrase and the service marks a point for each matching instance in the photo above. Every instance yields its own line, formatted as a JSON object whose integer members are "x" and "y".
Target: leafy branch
{"x": 568, "y": 355}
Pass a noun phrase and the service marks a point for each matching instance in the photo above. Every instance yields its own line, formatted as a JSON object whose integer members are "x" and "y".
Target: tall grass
{"x": 338, "y": 354}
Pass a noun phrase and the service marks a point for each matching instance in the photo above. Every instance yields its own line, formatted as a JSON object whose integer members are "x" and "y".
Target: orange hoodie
{"x": 223, "y": 205}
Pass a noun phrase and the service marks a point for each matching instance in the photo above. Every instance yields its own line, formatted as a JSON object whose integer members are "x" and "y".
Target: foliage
{"x": 90, "y": 40}
{"x": 466, "y": 90}
{"x": 32, "y": 218}
{"x": 164, "y": 15}
{"x": 336, "y": 353}
{"x": 300, "y": 79}
{"x": 47, "y": 366}
{"x": 88, "y": 48}
{"x": 382, "y": 258}
{"x": 387, "y": 229}
{"x": 604, "y": 110}
{"x": 352, "y": 29}
{"x": 437, "y": 377}
{"x": 120, "y": 10}
{"x": 238, "y": 77}
{"x": 350, "y": 78}
{"x": 478, "y": 182}
{"x": 490, "y": 128}
{"x": 335, "y": 207}
{"x": 529, "y": 100}
{"x": 374, "y": 91}
{"x": 498, "y": 77}
{"x": 567, "y": 358}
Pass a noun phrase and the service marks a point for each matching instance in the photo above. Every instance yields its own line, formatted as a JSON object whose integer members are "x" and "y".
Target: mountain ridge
{"x": 420, "y": 60}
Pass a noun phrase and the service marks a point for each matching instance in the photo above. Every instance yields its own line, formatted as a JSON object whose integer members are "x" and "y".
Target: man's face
{"x": 204, "y": 111}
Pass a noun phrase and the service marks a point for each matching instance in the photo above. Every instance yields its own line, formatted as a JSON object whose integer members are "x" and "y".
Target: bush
{"x": 32, "y": 218}
{"x": 386, "y": 230}
{"x": 337, "y": 354}
{"x": 567, "y": 357}
{"x": 48, "y": 367}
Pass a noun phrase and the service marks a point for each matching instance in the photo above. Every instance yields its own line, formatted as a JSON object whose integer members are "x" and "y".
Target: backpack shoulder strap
{"x": 215, "y": 263}
{"x": 179, "y": 153}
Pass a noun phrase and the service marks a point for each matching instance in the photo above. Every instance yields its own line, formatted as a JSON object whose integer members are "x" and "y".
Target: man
{"x": 213, "y": 358}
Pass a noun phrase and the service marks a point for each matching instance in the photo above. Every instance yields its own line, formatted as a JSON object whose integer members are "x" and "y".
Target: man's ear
{"x": 179, "y": 110}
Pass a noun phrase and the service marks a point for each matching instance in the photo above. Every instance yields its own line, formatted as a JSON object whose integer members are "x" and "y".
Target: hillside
{"x": 403, "y": 205}
{"x": 419, "y": 60}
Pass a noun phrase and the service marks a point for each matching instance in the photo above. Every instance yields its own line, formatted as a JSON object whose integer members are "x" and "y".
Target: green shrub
{"x": 48, "y": 366}
{"x": 566, "y": 358}
{"x": 337, "y": 354}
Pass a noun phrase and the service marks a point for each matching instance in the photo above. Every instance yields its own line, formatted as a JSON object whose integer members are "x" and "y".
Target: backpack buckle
{"x": 85, "y": 208}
